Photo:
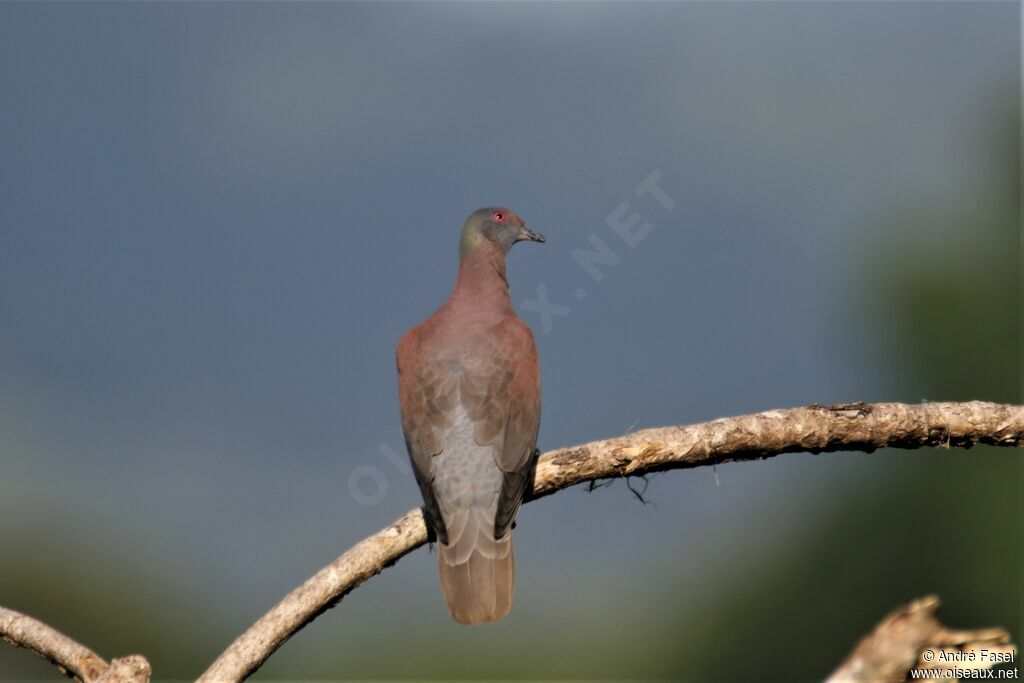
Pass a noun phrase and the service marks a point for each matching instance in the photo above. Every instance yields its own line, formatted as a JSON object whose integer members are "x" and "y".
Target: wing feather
{"x": 427, "y": 395}
{"x": 497, "y": 384}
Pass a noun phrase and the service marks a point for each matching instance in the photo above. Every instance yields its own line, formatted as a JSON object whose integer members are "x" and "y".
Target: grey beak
{"x": 527, "y": 234}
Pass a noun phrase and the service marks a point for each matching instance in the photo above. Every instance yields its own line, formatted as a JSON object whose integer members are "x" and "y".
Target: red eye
{"x": 498, "y": 216}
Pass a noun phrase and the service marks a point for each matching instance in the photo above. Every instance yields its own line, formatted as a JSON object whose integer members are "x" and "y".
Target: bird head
{"x": 496, "y": 225}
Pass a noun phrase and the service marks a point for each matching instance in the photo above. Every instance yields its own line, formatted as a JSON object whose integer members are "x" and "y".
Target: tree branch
{"x": 71, "y": 658}
{"x": 857, "y": 426}
{"x": 912, "y": 637}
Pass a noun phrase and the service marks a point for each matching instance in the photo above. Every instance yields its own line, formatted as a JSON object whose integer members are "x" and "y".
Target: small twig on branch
{"x": 859, "y": 426}
{"x": 73, "y": 659}
{"x": 911, "y": 637}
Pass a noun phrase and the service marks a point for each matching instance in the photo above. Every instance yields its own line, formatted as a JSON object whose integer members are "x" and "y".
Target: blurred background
{"x": 218, "y": 219}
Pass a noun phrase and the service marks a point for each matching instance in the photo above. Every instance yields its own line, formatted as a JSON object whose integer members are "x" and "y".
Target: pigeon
{"x": 469, "y": 390}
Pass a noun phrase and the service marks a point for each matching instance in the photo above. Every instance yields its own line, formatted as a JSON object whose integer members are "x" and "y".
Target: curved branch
{"x": 857, "y": 426}
{"x": 70, "y": 657}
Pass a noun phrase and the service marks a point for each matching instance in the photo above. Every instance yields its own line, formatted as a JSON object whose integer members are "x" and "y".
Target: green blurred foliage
{"x": 116, "y": 600}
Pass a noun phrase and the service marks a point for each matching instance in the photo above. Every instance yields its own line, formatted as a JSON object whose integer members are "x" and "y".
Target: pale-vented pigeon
{"x": 469, "y": 386}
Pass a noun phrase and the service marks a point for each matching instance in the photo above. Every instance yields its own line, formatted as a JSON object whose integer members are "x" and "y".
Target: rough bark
{"x": 71, "y": 658}
{"x": 911, "y": 637}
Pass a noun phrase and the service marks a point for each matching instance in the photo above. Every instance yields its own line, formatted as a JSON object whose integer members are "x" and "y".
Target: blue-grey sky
{"x": 217, "y": 220}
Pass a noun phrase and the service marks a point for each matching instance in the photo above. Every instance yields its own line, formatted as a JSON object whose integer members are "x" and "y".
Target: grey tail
{"x": 478, "y": 575}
